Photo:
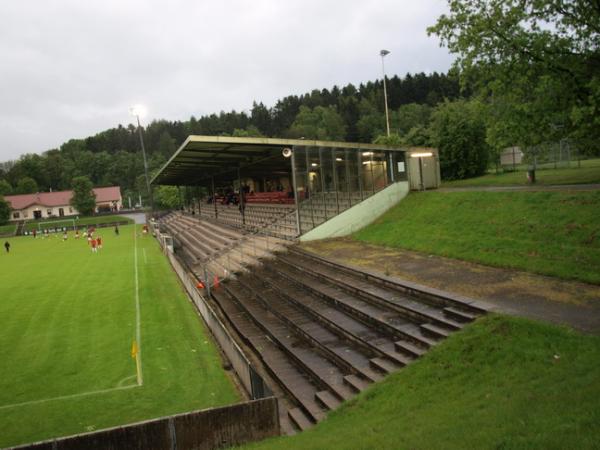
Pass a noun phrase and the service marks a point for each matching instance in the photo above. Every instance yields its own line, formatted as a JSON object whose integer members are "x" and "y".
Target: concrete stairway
{"x": 219, "y": 249}
{"x": 325, "y": 332}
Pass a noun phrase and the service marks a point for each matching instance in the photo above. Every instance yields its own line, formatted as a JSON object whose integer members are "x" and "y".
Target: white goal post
{"x": 69, "y": 223}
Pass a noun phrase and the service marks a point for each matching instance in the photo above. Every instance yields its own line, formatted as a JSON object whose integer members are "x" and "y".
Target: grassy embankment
{"x": 551, "y": 233}
{"x": 589, "y": 172}
{"x": 500, "y": 383}
{"x": 68, "y": 318}
{"x": 80, "y": 222}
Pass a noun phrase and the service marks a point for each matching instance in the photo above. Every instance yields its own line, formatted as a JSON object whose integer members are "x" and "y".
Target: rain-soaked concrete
{"x": 514, "y": 292}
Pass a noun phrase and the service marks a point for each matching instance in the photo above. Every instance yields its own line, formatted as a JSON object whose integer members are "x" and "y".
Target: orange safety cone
{"x": 216, "y": 281}
{"x": 200, "y": 285}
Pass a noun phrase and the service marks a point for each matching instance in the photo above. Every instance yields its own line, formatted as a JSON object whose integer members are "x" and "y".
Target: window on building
{"x": 16, "y": 215}
{"x": 49, "y": 212}
{"x": 70, "y": 209}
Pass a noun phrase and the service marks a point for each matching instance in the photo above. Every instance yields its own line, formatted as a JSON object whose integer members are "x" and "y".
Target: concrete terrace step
{"x": 410, "y": 348}
{"x": 434, "y": 330}
{"x": 293, "y": 381}
{"x": 358, "y": 384}
{"x": 328, "y": 400}
{"x": 459, "y": 315}
{"x": 319, "y": 368}
{"x": 385, "y": 297}
{"x": 433, "y": 297}
{"x": 390, "y": 322}
{"x": 299, "y": 419}
{"x": 336, "y": 347}
{"x": 339, "y": 322}
{"x": 384, "y": 365}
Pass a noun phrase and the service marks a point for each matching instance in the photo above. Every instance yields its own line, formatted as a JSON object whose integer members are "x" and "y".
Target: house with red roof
{"x": 44, "y": 205}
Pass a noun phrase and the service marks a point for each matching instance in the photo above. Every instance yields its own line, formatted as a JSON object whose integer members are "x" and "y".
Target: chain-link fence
{"x": 564, "y": 154}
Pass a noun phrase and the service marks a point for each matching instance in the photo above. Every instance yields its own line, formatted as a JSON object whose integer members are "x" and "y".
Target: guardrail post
{"x": 207, "y": 281}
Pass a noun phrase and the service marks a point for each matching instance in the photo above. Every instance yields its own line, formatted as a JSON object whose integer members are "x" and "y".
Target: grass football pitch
{"x": 68, "y": 318}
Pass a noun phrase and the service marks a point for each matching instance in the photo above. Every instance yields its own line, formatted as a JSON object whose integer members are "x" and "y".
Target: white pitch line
{"x": 65, "y": 397}
{"x": 138, "y": 332}
{"x": 124, "y": 380}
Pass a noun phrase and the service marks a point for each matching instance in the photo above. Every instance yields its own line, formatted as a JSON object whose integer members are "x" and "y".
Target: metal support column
{"x": 214, "y": 197}
{"x": 179, "y": 196}
{"x": 306, "y": 189}
{"x": 347, "y": 168}
{"x": 199, "y": 200}
{"x": 335, "y": 184}
{"x": 242, "y": 204}
{"x": 322, "y": 182}
{"x": 295, "y": 188}
{"x": 359, "y": 169}
{"x": 372, "y": 176}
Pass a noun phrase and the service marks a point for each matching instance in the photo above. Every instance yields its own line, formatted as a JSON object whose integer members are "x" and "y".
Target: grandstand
{"x": 316, "y": 331}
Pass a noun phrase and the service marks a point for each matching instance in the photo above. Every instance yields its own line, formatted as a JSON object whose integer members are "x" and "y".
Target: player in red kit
{"x": 94, "y": 245}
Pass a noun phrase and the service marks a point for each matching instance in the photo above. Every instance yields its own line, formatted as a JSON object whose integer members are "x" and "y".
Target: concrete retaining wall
{"x": 234, "y": 354}
{"x": 360, "y": 215}
{"x": 248, "y": 377}
{"x": 199, "y": 430}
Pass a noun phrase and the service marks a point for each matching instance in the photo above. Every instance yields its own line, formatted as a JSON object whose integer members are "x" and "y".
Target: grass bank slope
{"x": 551, "y": 233}
{"x": 500, "y": 383}
{"x": 68, "y": 318}
{"x": 589, "y": 172}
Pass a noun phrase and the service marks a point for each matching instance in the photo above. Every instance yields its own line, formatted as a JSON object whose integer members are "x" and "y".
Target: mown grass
{"x": 551, "y": 233}
{"x": 68, "y": 222}
{"x": 500, "y": 383}
{"x": 589, "y": 172}
{"x": 67, "y": 322}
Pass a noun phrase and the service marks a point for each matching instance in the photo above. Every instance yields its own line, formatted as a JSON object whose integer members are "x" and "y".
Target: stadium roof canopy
{"x": 200, "y": 158}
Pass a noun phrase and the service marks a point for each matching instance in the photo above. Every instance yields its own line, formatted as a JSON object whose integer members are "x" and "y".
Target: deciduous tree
{"x": 4, "y": 211}
{"x": 537, "y": 62}
{"x": 26, "y": 185}
{"x": 458, "y": 131}
{"x": 84, "y": 199}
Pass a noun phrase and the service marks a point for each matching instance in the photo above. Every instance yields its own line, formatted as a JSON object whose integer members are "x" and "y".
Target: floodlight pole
{"x": 295, "y": 188}
{"x": 145, "y": 162}
{"x": 383, "y": 53}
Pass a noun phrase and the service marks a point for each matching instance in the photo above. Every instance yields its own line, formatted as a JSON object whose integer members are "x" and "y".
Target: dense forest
{"x": 349, "y": 113}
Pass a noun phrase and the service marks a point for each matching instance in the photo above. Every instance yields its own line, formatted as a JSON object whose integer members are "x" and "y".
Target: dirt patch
{"x": 535, "y": 296}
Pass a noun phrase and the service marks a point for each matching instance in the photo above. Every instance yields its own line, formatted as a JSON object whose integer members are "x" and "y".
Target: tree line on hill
{"x": 349, "y": 113}
{"x": 526, "y": 72}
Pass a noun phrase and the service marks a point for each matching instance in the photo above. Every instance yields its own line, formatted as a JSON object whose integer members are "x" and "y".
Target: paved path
{"x": 138, "y": 218}
{"x": 530, "y": 188}
{"x": 508, "y": 291}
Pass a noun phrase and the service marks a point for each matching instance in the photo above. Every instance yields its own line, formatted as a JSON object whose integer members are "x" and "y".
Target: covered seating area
{"x": 246, "y": 181}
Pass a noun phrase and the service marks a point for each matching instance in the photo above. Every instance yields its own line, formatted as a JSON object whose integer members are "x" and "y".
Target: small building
{"x": 43, "y": 205}
{"x": 424, "y": 168}
{"x": 511, "y": 156}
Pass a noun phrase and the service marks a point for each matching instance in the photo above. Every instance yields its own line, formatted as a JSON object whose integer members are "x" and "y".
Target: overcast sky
{"x": 70, "y": 69}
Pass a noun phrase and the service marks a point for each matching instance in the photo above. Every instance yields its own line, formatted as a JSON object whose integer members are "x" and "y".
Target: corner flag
{"x": 135, "y": 354}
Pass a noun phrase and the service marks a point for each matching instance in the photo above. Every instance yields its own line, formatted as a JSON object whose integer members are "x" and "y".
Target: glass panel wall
{"x": 330, "y": 180}
{"x": 379, "y": 170}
